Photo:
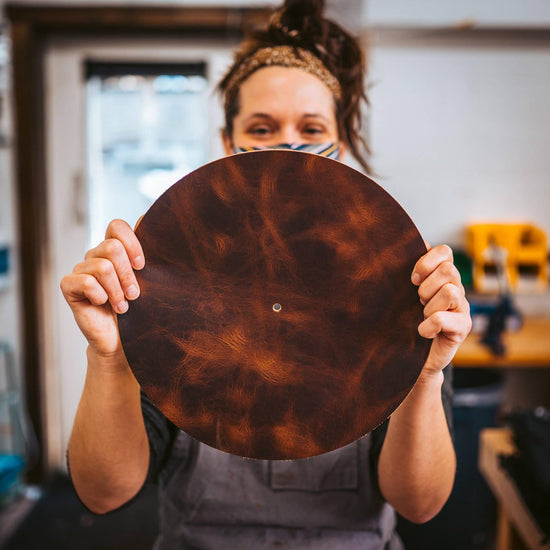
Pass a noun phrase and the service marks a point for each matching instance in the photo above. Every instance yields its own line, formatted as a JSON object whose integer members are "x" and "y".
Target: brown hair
{"x": 301, "y": 25}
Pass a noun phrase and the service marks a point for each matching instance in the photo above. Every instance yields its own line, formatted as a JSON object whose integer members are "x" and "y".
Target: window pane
{"x": 145, "y": 132}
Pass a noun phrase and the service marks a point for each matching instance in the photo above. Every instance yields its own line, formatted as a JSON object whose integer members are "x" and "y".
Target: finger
{"x": 430, "y": 261}
{"x": 444, "y": 273}
{"x": 449, "y": 297}
{"x": 119, "y": 229}
{"x": 77, "y": 287}
{"x": 106, "y": 275}
{"x": 454, "y": 325}
{"x": 114, "y": 252}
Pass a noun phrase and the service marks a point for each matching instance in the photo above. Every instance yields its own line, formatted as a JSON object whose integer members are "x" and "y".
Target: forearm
{"x": 108, "y": 449}
{"x": 417, "y": 462}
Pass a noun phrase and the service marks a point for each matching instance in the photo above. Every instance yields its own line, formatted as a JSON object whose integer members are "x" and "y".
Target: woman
{"x": 299, "y": 84}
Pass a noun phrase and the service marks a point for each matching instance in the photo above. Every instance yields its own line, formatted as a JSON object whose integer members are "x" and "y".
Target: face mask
{"x": 330, "y": 150}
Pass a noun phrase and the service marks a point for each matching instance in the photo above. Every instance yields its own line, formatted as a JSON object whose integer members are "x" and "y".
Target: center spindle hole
{"x": 277, "y": 308}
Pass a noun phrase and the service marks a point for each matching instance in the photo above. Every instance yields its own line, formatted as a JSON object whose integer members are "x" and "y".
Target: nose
{"x": 289, "y": 134}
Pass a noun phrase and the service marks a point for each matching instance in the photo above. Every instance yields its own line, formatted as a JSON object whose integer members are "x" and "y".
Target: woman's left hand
{"x": 446, "y": 311}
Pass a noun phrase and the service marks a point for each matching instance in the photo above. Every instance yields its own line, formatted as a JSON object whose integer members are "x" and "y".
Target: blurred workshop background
{"x": 105, "y": 103}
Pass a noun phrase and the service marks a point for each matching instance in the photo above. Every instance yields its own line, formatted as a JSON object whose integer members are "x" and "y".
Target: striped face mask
{"x": 330, "y": 150}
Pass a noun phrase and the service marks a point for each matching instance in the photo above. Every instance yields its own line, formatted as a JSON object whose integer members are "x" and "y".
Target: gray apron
{"x": 214, "y": 500}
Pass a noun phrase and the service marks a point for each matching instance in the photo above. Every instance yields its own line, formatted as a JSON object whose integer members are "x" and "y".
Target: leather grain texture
{"x": 276, "y": 319}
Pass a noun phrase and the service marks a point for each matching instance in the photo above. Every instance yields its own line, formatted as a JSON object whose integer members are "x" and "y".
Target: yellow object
{"x": 524, "y": 245}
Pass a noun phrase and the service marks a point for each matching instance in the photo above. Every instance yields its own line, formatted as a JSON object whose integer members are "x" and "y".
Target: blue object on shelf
{"x": 4, "y": 259}
{"x": 10, "y": 468}
{"x": 17, "y": 442}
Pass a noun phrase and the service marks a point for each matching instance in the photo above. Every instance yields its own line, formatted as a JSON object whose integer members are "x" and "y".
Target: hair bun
{"x": 295, "y": 9}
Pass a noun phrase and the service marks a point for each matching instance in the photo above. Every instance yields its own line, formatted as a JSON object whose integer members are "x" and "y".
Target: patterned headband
{"x": 285, "y": 56}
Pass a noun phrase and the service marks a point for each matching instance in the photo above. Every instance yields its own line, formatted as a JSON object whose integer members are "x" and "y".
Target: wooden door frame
{"x": 30, "y": 28}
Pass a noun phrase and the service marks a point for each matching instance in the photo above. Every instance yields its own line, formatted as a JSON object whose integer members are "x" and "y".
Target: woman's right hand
{"x": 100, "y": 287}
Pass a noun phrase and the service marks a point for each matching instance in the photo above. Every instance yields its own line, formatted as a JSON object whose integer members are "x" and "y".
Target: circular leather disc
{"x": 276, "y": 318}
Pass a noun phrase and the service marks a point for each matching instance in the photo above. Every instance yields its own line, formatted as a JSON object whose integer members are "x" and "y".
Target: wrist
{"x": 427, "y": 389}
{"x": 425, "y": 396}
{"x": 114, "y": 362}
{"x": 430, "y": 379}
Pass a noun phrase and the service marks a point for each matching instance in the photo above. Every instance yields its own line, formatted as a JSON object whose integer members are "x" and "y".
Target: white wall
{"x": 460, "y": 129}
{"x": 435, "y": 13}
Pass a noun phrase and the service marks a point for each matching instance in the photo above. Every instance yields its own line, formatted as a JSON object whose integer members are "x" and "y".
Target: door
{"x": 124, "y": 119}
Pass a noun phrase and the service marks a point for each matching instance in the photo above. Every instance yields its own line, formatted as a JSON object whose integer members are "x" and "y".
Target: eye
{"x": 259, "y": 131}
{"x": 313, "y": 130}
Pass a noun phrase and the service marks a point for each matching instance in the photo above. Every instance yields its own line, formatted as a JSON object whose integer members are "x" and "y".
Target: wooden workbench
{"x": 516, "y": 527}
{"x": 529, "y": 347}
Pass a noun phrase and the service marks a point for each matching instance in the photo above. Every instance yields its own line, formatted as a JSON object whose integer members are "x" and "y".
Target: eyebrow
{"x": 315, "y": 115}
{"x": 270, "y": 117}
{"x": 257, "y": 115}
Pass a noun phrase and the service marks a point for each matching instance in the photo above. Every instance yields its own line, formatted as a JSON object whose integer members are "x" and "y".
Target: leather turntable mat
{"x": 276, "y": 318}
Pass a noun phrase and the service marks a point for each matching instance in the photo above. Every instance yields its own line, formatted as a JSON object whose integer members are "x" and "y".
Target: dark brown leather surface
{"x": 227, "y": 243}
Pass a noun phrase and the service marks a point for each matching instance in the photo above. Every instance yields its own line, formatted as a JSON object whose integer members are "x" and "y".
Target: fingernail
{"x": 132, "y": 292}
{"x": 415, "y": 278}
{"x": 122, "y": 307}
{"x": 139, "y": 262}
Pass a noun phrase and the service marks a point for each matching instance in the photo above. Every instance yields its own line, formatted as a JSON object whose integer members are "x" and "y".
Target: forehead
{"x": 285, "y": 89}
